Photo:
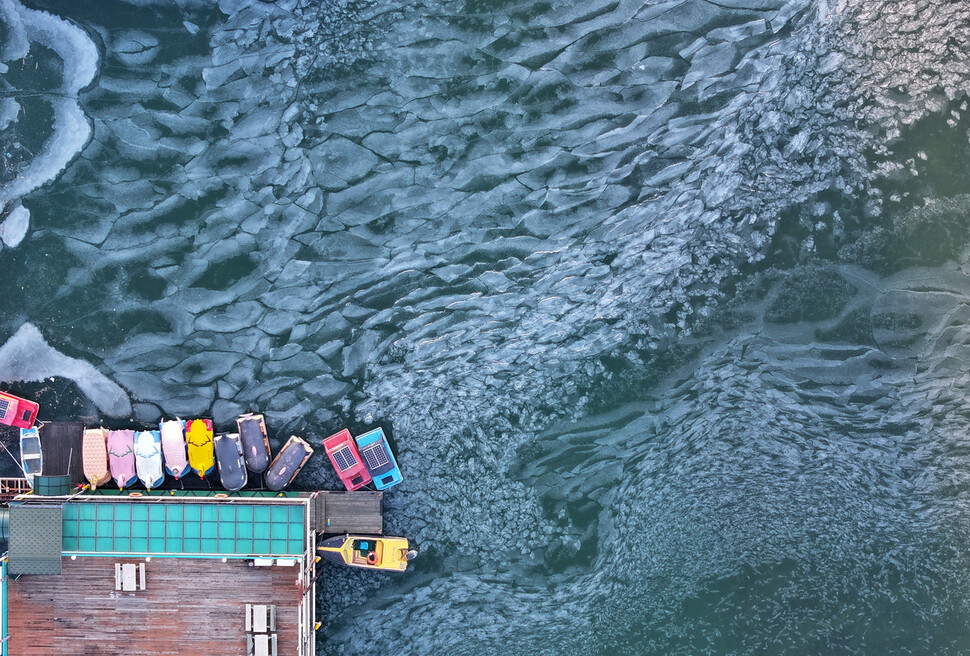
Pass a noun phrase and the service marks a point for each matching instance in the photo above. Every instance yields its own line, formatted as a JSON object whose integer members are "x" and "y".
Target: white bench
{"x": 264, "y": 645}
{"x": 261, "y": 645}
{"x": 260, "y": 618}
{"x": 129, "y": 577}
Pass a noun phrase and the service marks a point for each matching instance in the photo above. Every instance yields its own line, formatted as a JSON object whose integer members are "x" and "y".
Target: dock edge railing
{"x": 10, "y": 488}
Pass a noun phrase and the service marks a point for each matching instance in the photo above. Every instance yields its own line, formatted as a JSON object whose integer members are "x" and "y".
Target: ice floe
{"x": 27, "y": 356}
{"x": 78, "y": 62}
{"x": 13, "y": 229}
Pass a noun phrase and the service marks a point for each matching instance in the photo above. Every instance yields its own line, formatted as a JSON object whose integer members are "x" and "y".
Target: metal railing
{"x": 12, "y": 487}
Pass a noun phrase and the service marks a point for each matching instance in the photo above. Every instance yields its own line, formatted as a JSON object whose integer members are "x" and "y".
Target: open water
{"x": 664, "y": 303}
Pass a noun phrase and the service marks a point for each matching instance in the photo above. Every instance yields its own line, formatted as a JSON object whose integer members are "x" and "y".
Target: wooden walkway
{"x": 348, "y": 512}
{"x": 189, "y": 606}
{"x": 60, "y": 442}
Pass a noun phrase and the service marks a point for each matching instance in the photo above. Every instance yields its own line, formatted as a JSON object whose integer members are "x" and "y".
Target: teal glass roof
{"x": 185, "y": 529}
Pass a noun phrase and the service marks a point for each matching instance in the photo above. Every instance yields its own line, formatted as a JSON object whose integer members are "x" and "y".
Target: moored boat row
{"x": 180, "y": 446}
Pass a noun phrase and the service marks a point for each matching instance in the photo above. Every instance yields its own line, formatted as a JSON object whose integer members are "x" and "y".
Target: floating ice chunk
{"x": 359, "y": 353}
{"x": 341, "y": 159}
{"x": 146, "y": 413}
{"x": 233, "y": 318}
{"x": 79, "y": 57}
{"x": 191, "y": 27}
{"x": 9, "y": 109}
{"x": 302, "y": 364}
{"x": 325, "y": 390}
{"x": 71, "y": 132}
{"x": 16, "y": 43}
{"x": 278, "y": 322}
{"x": 738, "y": 32}
{"x": 135, "y": 48}
{"x": 27, "y": 356}
{"x": 14, "y": 227}
{"x": 216, "y": 76}
{"x": 786, "y": 13}
{"x": 75, "y": 49}
{"x": 710, "y": 62}
{"x": 224, "y": 412}
{"x": 495, "y": 280}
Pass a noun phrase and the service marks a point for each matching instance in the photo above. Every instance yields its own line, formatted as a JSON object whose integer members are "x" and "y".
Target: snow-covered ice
{"x": 27, "y": 356}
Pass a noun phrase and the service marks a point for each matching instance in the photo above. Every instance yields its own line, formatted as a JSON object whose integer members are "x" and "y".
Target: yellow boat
{"x": 368, "y": 551}
{"x": 198, "y": 435}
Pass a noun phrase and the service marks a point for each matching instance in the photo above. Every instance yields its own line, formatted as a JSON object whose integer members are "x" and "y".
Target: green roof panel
{"x": 238, "y": 529}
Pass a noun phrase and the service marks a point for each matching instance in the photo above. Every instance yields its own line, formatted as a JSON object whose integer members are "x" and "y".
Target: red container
{"x": 15, "y": 411}
{"x": 345, "y": 458}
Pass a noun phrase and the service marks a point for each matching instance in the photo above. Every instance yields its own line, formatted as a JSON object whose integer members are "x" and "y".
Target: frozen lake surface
{"x": 664, "y": 303}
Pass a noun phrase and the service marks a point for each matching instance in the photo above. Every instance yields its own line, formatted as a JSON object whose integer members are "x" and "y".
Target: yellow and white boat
{"x": 198, "y": 436}
{"x": 368, "y": 552}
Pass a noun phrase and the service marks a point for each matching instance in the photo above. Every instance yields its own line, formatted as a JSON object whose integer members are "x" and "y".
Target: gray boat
{"x": 288, "y": 463}
{"x": 229, "y": 458}
{"x": 252, "y": 431}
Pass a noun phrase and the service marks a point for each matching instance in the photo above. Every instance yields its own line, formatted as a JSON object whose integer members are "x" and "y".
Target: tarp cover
{"x": 35, "y": 539}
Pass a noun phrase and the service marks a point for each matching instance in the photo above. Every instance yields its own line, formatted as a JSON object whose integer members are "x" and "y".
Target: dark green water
{"x": 664, "y": 303}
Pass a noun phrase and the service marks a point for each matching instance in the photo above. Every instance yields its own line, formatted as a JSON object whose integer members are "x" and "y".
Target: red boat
{"x": 346, "y": 459}
{"x": 15, "y": 411}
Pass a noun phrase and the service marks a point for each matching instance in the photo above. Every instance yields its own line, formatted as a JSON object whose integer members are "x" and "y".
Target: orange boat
{"x": 94, "y": 456}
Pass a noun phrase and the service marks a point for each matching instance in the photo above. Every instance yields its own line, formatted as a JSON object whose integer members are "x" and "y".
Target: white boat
{"x": 173, "y": 447}
{"x": 31, "y": 456}
{"x": 148, "y": 458}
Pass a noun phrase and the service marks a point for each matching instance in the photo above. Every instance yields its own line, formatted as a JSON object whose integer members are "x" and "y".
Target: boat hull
{"x": 121, "y": 457}
{"x": 345, "y": 458}
{"x": 94, "y": 456}
{"x": 148, "y": 458}
{"x": 378, "y": 458}
{"x": 252, "y": 432}
{"x": 173, "y": 448}
{"x": 229, "y": 458}
{"x": 366, "y": 552}
{"x": 288, "y": 463}
{"x": 198, "y": 436}
{"x": 17, "y": 412}
{"x": 31, "y": 454}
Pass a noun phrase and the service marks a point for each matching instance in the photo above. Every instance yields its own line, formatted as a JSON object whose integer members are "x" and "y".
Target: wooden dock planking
{"x": 189, "y": 606}
{"x": 60, "y": 442}
{"x": 348, "y": 512}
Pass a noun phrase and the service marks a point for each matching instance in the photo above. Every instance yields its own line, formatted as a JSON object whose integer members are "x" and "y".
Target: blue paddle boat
{"x": 378, "y": 459}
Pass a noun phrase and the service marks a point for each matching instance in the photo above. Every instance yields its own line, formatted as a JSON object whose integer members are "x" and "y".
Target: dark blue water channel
{"x": 664, "y": 303}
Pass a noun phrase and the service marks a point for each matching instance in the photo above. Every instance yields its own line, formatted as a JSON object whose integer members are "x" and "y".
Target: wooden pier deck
{"x": 189, "y": 606}
{"x": 348, "y": 512}
{"x": 60, "y": 442}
